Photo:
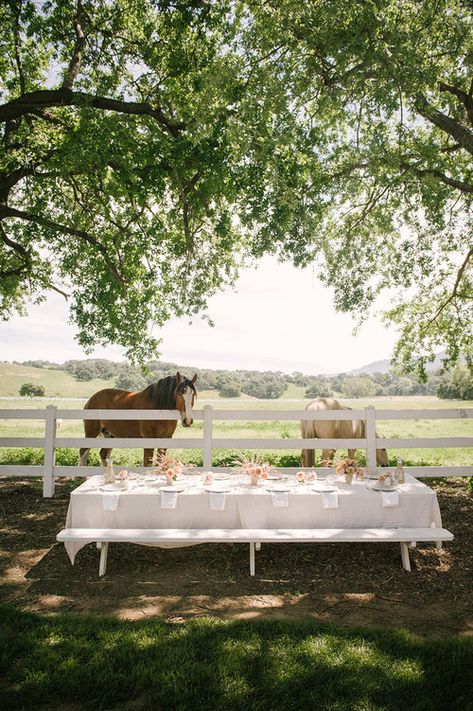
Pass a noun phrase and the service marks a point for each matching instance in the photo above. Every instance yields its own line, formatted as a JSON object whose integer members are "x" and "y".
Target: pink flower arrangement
{"x": 300, "y": 477}
{"x": 350, "y": 468}
{"x": 253, "y": 466}
{"x": 168, "y": 467}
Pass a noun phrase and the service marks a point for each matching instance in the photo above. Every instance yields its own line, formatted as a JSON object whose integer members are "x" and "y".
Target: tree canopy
{"x": 150, "y": 147}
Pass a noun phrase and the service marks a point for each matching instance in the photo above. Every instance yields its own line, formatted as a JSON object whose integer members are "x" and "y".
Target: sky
{"x": 276, "y": 318}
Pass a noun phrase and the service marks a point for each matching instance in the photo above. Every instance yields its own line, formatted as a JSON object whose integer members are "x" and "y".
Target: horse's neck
{"x": 160, "y": 399}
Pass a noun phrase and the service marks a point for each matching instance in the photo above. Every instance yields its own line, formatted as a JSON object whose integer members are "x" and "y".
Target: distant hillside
{"x": 82, "y": 378}
{"x": 57, "y": 383}
{"x": 378, "y": 366}
{"x": 384, "y": 366}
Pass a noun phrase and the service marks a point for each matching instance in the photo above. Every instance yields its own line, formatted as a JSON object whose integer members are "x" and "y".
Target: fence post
{"x": 370, "y": 431}
{"x": 207, "y": 444}
{"x": 49, "y": 451}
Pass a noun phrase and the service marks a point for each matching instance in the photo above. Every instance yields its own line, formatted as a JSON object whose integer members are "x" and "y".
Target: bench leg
{"x": 406, "y": 563}
{"x": 103, "y": 559}
{"x": 258, "y": 546}
{"x": 252, "y": 558}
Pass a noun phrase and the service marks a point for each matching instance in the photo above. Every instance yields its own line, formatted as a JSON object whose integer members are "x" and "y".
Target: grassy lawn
{"x": 94, "y": 662}
{"x": 57, "y": 383}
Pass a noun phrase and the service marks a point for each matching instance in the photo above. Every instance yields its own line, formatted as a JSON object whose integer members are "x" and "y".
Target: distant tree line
{"x": 456, "y": 384}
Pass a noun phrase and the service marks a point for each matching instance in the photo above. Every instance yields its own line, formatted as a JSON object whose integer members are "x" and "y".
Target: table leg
{"x": 252, "y": 558}
{"x": 103, "y": 559}
{"x": 406, "y": 563}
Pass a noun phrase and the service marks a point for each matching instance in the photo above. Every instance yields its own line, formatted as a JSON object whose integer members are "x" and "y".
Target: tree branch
{"x": 461, "y": 134}
{"x": 74, "y": 64}
{"x": 454, "y": 293}
{"x": 465, "y": 98}
{"x": 458, "y": 184}
{"x": 6, "y": 211}
{"x": 16, "y": 38}
{"x": 46, "y": 98}
{"x": 19, "y": 249}
{"x": 8, "y": 180}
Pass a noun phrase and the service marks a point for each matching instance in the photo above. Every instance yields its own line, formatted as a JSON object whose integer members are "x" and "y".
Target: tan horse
{"x": 171, "y": 393}
{"x": 330, "y": 429}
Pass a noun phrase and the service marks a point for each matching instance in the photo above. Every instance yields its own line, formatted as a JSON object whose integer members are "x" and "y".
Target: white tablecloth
{"x": 139, "y": 506}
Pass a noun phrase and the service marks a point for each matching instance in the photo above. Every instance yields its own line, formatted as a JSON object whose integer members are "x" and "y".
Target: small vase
{"x": 109, "y": 476}
{"x": 254, "y": 480}
{"x": 169, "y": 480}
{"x": 348, "y": 478}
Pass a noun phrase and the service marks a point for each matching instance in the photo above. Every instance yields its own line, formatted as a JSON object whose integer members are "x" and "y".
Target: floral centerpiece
{"x": 168, "y": 467}
{"x": 304, "y": 477}
{"x": 350, "y": 468}
{"x": 253, "y": 466}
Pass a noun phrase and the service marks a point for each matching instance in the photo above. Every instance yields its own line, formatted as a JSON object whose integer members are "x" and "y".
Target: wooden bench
{"x": 254, "y": 536}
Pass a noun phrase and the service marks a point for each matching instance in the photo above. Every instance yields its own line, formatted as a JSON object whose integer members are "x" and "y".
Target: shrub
{"x": 32, "y": 390}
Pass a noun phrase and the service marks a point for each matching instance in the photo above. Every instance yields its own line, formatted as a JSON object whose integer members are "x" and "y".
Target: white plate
{"x": 215, "y": 488}
{"x": 221, "y": 477}
{"x": 382, "y": 487}
{"x": 277, "y": 487}
{"x": 112, "y": 487}
{"x": 177, "y": 489}
{"x": 323, "y": 488}
{"x": 275, "y": 476}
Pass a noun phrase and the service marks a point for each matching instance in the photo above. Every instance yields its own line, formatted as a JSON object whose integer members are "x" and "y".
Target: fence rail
{"x": 52, "y": 415}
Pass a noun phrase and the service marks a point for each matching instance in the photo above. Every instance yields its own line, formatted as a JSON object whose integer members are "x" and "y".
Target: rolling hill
{"x": 57, "y": 383}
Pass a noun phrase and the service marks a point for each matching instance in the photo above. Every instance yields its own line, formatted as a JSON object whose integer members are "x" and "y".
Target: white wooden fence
{"x": 51, "y": 441}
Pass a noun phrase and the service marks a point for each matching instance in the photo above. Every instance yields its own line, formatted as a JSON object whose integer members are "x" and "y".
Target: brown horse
{"x": 334, "y": 429}
{"x": 171, "y": 393}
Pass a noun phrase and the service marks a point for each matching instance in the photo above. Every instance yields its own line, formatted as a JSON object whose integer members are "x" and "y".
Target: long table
{"x": 139, "y": 507}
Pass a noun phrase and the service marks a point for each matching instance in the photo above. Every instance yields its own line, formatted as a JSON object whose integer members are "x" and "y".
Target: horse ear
{"x": 178, "y": 377}
{"x": 194, "y": 378}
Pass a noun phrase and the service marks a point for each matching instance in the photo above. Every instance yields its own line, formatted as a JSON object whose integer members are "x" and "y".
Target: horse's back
{"x": 115, "y": 399}
{"x": 325, "y": 403}
{"x": 329, "y": 429}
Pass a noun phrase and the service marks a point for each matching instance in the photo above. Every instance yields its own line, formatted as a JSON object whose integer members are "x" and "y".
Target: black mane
{"x": 163, "y": 392}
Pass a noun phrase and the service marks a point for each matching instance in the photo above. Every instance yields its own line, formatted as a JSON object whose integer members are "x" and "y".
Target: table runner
{"x": 250, "y": 507}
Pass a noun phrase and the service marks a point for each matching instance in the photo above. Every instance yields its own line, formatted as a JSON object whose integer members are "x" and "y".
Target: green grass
{"x": 106, "y": 663}
{"x": 57, "y": 383}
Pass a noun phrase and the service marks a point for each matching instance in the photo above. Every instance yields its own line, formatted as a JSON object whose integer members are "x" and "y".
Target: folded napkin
{"x": 330, "y": 499}
{"x": 280, "y": 499}
{"x": 110, "y": 500}
{"x": 217, "y": 500}
{"x": 169, "y": 499}
{"x": 390, "y": 498}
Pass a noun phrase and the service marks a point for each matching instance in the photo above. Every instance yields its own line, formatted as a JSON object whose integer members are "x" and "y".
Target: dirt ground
{"x": 348, "y": 584}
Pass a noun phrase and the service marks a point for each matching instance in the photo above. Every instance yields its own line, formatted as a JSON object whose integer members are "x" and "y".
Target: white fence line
{"x": 207, "y": 442}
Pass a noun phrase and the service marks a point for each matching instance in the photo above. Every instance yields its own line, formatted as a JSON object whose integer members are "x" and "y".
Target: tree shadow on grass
{"x": 105, "y": 663}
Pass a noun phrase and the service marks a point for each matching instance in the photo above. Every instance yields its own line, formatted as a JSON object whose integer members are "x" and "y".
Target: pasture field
{"x": 57, "y": 383}
{"x": 258, "y": 429}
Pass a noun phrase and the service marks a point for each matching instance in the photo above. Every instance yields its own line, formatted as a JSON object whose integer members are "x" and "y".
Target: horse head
{"x": 185, "y": 397}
